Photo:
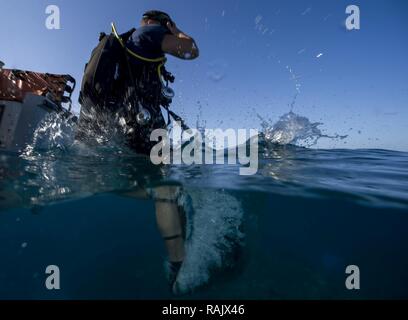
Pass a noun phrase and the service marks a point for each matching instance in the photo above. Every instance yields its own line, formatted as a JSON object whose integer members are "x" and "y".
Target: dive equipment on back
{"x": 105, "y": 73}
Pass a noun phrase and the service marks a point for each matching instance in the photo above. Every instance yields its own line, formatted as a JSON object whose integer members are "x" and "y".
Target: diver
{"x": 125, "y": 82}
{"x": 124, "y": 86}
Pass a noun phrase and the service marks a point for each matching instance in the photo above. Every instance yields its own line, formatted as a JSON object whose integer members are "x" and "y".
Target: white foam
{"x": 214, "y": 221}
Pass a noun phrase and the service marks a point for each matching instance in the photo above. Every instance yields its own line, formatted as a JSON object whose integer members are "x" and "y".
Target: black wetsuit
{"x": 142, "y": 86}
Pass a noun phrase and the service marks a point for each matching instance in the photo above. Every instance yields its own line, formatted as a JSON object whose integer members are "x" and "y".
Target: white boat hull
{"x": 19, "y": 120}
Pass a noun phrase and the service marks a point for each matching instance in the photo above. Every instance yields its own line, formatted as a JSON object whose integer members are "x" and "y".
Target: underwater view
{"x": 283, "y": 175}
{"x": 287, "y": 232}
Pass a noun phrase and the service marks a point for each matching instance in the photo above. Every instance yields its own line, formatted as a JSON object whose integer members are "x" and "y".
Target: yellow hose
{"x": 162, "y": 59}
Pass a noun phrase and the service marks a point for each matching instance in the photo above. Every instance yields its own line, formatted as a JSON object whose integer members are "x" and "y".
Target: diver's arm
{"x": 179, "y": 44}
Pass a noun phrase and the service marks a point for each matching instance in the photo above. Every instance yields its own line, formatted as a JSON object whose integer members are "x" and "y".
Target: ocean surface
{"x": 288, "y": 232}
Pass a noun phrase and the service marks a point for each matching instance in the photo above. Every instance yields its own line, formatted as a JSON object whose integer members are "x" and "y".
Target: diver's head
{"x": 155, "y": 17}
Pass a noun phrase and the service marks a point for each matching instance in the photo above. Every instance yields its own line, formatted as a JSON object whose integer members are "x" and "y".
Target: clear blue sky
{"x": 357, "y": 87}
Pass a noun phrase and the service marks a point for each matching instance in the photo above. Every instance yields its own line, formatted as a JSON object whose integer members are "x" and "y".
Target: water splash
{"x": 56, "y": 131}
{"x": 294, "y": 129}
{"x": 259, "y": 26}
{"x": 214, "y": 236}
{"x": 307, "y": 11}
{"x": 200, "y": 122}
{"x": 217, "y": 70}
{"x": 295, "y": 79}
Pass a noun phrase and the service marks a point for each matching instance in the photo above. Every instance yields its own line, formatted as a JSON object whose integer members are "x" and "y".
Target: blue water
{"x": 288, "y": 232}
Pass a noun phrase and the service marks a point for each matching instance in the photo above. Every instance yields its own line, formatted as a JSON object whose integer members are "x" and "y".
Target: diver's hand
{"x": 173, "y": 29}
{"x": 179, "y": 44}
